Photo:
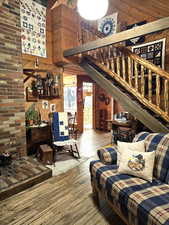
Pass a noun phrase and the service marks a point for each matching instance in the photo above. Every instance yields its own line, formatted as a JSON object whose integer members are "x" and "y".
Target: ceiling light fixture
{"x": 92, "y": 9}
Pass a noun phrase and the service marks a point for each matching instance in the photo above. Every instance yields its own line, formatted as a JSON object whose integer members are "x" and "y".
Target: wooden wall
{"x": 130, "y": 12}
{"x": 45, "y": 64}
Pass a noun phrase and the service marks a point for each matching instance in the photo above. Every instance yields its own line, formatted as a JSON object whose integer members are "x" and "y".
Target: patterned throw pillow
{"x": 139, "y": 164}
{"x": 134, "y": 146}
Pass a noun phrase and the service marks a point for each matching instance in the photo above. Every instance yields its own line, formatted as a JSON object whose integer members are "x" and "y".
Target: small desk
{"x": 37, "y": 135}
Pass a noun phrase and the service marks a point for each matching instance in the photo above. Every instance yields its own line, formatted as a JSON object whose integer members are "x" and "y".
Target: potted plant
{"x": 32, "y": 116}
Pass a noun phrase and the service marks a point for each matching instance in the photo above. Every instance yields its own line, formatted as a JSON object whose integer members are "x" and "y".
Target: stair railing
{"x": 147, "y": 82}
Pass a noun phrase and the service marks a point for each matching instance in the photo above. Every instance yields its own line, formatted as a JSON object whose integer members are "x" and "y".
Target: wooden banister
{"x": 144, "y": 62}
{"x": 141, "y": 78}
{"x": 148, "y": 28}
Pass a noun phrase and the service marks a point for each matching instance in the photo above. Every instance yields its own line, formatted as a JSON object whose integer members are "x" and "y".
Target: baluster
{"x": 118, "y": 65}
{"x": 129, "y": 70}
{"x": 112, "y": 62}
{"x": 166, "y": 98}
{"x": 157, "y": 90}
{"x": 149, "y": 85}
{"x": 123, "y": 67}
{"x": 142, "y": 81}
{"x": 136, "y": 75}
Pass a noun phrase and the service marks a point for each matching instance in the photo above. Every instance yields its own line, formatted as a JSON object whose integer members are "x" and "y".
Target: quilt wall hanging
{"x": 33, "y": 28}
{"x": 136, "y": 40}
{"x": 154, "y": 52}
{"x": 108, "y": 24}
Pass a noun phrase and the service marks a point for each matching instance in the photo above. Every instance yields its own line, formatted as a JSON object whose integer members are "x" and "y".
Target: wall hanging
{"x": 33, "y": 28}
{"x": 108, "y": 24}
{"x": 154, "y": 52}
{"x": 136, "y": 40}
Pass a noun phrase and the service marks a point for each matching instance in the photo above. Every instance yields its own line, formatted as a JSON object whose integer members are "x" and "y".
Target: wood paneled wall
{"x": 130, "y": 12}
{"x": 45, "y": 64}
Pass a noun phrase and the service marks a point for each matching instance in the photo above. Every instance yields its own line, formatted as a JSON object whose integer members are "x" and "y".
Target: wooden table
{"x": 116, "y": 125}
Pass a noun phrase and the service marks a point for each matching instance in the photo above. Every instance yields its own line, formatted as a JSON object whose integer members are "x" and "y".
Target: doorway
{"x": 87, "y": 105}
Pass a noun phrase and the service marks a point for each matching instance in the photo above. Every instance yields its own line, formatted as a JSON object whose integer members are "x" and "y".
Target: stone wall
{"x": 12, "y": 116}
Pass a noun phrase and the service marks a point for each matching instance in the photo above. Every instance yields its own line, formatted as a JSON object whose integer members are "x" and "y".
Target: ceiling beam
{"x": 148, "y": 28}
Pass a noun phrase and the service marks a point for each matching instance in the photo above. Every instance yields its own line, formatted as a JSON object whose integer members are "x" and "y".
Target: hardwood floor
{"x": 62, "y": 200}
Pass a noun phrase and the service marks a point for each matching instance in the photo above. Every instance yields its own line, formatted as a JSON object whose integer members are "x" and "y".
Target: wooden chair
{"x": 60, "y": 134}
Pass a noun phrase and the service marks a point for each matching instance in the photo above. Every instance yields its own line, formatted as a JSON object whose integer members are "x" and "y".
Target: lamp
{"x": 92, "y": 9}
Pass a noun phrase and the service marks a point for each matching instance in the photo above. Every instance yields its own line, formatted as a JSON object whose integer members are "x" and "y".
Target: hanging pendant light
{"x": 92, "y": 9}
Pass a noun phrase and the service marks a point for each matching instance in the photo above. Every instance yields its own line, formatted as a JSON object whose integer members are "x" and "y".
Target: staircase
{"x": 141, "y": 87}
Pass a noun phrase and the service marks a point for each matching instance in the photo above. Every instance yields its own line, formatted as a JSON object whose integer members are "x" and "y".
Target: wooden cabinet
{"x": 36, "y": 136}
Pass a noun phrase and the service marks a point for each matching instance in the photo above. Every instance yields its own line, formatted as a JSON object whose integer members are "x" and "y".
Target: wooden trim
{"x": 148, "y": 28}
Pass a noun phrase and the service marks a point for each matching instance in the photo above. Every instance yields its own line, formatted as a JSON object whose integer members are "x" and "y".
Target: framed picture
{"x": 30, "y": 95}
{"x": 153, "y": 51}
{"x": 52, "y": 107}
{"x": 45, "y": 104}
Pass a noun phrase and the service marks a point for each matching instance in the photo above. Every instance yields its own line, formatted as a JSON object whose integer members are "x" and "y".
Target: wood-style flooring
{"x": 62, "y": 200}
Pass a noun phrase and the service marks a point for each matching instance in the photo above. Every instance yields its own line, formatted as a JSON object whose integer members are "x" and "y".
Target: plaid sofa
{"x": 139, "y": 201}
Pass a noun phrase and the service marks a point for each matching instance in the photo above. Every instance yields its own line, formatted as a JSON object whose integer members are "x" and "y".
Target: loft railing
{"x": 149, "y": 83}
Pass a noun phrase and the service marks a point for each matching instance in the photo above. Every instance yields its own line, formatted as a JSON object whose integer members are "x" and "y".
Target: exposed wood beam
{"x": 148, "y": 28}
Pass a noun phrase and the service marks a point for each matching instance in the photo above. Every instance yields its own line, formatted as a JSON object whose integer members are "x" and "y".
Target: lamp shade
{"x": 92, "y": 9}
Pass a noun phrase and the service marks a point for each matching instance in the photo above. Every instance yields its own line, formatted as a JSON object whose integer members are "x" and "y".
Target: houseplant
{"x": 32, "y": 116}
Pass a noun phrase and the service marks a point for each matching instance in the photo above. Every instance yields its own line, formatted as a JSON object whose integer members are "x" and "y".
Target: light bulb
{"x": 92, "y": 9}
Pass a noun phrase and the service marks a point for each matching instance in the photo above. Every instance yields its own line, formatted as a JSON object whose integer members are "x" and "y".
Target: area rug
{"x": 64, "y": 163}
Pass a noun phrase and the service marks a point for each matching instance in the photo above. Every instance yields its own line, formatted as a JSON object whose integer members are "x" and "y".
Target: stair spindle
{"x": 142, "y": 81}
{"x": 150, "y": 86}
{"x": 157, "y": 90}
{"x": 129, "y": 70}
{"x": 166, "y": 97}
{"x": 136, "y": 75}
{"x": 123, "y": 67}
{"x": 118, "y": 65}
{"x": 112, "y": 65}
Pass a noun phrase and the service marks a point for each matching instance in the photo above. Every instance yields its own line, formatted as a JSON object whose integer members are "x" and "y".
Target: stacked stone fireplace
{"x": 12, "y": 112}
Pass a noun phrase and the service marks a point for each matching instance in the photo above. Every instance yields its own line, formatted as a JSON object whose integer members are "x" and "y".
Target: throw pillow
{"x": 139, "y": 164}
{"x": 107, "y": 154}
{"x": 134, "y": 146}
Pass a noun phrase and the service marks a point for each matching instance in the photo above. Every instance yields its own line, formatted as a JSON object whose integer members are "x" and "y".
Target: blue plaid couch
{"x": 138, "y": 201}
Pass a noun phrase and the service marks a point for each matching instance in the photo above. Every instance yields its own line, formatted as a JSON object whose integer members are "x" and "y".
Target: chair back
{"x": 60, "y": 130}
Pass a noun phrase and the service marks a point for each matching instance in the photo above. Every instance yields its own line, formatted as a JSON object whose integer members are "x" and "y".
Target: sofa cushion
{"x": 138, "y": 164}
{"x": 140, "y": 201}
{"x": 133, "y": 146}
{"x": 108, "y": 154}
{"x": 159, "y": 143}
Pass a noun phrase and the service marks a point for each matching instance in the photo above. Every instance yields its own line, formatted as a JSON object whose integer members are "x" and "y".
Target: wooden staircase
{"x": 140, "y": 86}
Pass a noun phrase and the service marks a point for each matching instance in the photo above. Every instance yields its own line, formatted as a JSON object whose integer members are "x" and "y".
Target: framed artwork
{"x": 30, "y": 95}
{"x": 136, "y": 40}
{"x": 154, "y": 52}
{"x": 52, "y": 107}
{"x": 33, "y": 28}
{"x": 45, "y": 104}
{"x": 108, "y": 24}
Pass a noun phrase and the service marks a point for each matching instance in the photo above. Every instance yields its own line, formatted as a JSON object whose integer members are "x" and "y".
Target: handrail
{"x": 144, "y": 62}
{"x": 148, "y": 28}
